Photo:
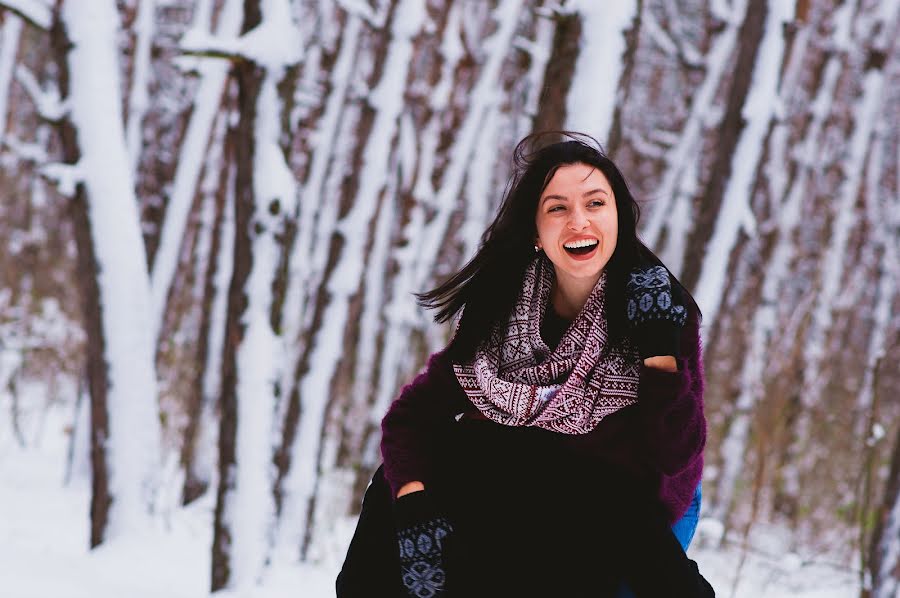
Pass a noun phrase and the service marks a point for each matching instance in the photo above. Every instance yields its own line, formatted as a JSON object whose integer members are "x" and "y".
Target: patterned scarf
{"x": 515, "y": 380}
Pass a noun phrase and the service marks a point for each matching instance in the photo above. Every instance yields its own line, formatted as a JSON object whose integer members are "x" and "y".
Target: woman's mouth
{"x": 582, "y": 250}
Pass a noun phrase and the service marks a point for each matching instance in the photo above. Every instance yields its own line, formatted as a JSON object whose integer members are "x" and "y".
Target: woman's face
{"x": 577, "y": 223}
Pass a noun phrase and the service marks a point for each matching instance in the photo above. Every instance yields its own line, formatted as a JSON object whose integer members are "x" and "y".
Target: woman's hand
{"x": 656, "y": 314}
{"x": 410, "y": 487}
{"x": 422, "y": 533}
{"x": 666, "y": 363}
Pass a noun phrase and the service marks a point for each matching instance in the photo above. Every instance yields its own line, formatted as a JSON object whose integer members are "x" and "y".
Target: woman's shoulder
{"x": 437, "y": 369}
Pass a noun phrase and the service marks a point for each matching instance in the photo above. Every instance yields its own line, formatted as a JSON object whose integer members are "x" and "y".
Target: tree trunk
{"x": 121, "y": 372}
{"x": 885, "y": 550}
{"x": 249, "y": 78}
{"x": 90, "y": 306}
{"x": 750, "y": 36}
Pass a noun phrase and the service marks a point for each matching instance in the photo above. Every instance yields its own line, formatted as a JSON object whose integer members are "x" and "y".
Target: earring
{"x": 536, "y": 248}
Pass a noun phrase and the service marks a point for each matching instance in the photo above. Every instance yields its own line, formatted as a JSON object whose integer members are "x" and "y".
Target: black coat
{"x": 527, "y": 522}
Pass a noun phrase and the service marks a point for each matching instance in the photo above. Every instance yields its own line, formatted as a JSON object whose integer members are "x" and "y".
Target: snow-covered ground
{"x": 44, "y": 527}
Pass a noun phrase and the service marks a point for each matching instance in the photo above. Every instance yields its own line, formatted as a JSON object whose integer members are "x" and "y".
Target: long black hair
{"x": 488, "y": 285}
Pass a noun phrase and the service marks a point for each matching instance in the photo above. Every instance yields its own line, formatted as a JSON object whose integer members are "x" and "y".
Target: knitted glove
{"x": 421, "y": 534}
{"x": 655, "y": 311}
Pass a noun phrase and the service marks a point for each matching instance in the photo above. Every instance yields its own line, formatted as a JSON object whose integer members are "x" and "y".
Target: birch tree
{"x": 125, "y": 434}
{"x": 279, "y": 177}
{"x": 264, "y": 193}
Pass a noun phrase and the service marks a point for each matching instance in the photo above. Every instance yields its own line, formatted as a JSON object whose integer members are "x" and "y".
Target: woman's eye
{"x": 555, "y": 209}
{"x": 597, "y": 203}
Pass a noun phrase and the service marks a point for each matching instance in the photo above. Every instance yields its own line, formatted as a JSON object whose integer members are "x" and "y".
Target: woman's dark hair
{"x": 488, "y": 285}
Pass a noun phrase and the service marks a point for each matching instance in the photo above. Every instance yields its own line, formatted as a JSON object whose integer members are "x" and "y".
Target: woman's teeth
{"x": 581, "y": 247}
{"x": 582, "y": 243}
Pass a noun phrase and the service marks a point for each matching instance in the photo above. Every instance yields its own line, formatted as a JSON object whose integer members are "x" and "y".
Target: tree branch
{"x": 214, "y": 53}
{"x": 34, "y": 12}
{"x": 66, "y": 177}
{"x": 48, "y": 103}
{"x": 26, "y": 152}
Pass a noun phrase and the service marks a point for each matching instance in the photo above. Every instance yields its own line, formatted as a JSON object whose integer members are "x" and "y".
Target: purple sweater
{"x": 660, "y": 438}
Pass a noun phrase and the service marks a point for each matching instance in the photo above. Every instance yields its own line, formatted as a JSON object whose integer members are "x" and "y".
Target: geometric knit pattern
{"x": 420, "y": 557}
{"x": 650, "y": 297}
{"x": 516, "y": 380}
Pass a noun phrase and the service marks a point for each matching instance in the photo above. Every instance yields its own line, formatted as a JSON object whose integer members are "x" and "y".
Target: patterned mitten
{"x": 655, "y": 311}
{"x": 421, "y": 534}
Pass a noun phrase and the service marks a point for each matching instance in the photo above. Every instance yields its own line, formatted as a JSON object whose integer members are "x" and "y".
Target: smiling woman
{"x": 552, "y": 445}
{"x": 577, "y": 227}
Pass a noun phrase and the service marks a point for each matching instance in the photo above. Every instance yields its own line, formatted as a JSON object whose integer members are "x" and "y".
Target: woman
{"x": 547, "y": 450}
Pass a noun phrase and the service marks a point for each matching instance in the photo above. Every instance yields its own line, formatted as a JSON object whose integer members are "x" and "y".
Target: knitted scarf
{"x": 516, "y": 380}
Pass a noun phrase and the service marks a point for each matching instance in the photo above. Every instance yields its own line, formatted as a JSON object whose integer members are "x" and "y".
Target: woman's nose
{"x": 577, "y": 220}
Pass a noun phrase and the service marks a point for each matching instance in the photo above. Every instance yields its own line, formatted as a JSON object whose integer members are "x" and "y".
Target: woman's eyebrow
{"x": 585, "y": 194}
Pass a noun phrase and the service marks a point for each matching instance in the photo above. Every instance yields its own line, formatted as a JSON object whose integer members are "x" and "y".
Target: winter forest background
{"x": 215, "y": 212}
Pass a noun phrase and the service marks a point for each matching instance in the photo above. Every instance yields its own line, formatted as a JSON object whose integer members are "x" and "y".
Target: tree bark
{"x": 885, "y": 561}
{"x": 749, "y": 37}
{"x": 97, "y": 370}
{"x": 195, "y": 484}
{"x": 249, "y": 78}
{"x": 551, "y": 114}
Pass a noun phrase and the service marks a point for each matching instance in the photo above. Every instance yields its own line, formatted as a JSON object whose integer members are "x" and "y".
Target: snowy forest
{"x": 216, "y": 212}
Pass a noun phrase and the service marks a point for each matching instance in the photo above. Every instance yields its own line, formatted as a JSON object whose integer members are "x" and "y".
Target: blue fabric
{"x": 683, "y": 529}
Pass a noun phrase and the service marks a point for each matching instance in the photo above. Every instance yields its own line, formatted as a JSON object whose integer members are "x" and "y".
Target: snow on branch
{"x": 649, "y": 147}
{"x": 555, "y": 11}
{"x": 722, "y": 11}
{"x": 34, "y": 153}
{"x": 659, "y": 35}
{"x": 365, "y": 12}
{"x": 36, "y": 12}
{"x": 66, "y": 177}
{"x": 531, "y": 48}
{"x": 274, "y": 44}
{"x": 47, "y": 102}
{"x": 673, "y": 46}
{"x": 200, "y": 43}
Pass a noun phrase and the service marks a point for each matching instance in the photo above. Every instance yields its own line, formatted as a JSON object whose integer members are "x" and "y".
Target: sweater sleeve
{"x": 414, "y": 424}
{"x": 671, "y": 405}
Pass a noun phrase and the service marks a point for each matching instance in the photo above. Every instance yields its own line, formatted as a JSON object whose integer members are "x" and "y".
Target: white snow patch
{"x": 592, "y": 97}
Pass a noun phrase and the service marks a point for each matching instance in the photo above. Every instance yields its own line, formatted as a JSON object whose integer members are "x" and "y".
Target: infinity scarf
{"x": 516, "y": 380}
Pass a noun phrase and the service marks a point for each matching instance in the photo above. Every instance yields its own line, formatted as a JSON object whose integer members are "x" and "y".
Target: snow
{"x": 592, "y": 97}
{"x": 133, "y": 447}
{"x": 316, "y": 221}
{"x": 48, "y": 103}
{"x": 206, "y": 455}
{"x": 757, "y": 112}
{"x": 36, "y": 11}
{"x": 483, "y": 101}
{"x": 35, "y": 153}
{"x": 207, "y": 101}
{"x": 139, "y": 97}
{"x": 273, "y": 44}
{"x": 865, "y": 116}
{"x": 387, "y": 99}
{"x": 45, "y": 529}
{"x": 47, "y": 519}
{"x": 682, "y": 156}
{"x": 9, "y": 45}
{"x": 833, "y": 268}
{"x": 65, "y": 176}
{"x": 890, "y": 550}
{"x": 309, "y": 254}
{"x": 361, "y": 9}
{"x": 249, "y": 505}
